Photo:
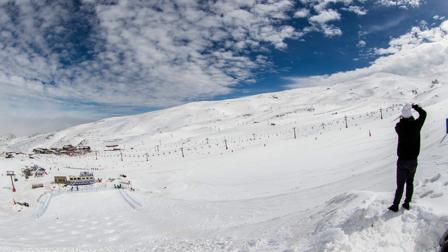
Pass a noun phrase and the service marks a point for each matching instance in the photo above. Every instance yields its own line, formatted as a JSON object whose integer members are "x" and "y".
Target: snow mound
{"x": 360, "y": 221}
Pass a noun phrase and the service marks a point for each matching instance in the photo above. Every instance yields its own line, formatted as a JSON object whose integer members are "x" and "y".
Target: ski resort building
{"x": 84, "y": 178}
{"x": 60, "y": 180}
{"x": 69, "y": 150}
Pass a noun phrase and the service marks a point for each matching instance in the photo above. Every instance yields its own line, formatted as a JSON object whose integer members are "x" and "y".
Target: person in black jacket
{"x": 408, "y": 130}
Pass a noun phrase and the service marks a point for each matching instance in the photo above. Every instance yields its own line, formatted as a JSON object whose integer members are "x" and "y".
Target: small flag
{"x": 447, "y": 126}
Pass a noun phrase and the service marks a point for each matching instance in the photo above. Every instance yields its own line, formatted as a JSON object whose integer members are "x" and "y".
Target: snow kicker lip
{"x": 133, "y": 203}
{"x": 40, "y": 211}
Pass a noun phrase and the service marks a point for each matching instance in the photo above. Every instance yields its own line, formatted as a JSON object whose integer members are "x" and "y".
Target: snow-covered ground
{"x": 310, "y": 169}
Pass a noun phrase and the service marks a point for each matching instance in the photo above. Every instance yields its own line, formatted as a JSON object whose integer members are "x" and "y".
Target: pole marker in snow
{"x": 446, "y": 131}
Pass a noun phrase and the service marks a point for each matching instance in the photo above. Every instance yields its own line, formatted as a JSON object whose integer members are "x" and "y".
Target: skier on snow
{"x": 408, "y": 130}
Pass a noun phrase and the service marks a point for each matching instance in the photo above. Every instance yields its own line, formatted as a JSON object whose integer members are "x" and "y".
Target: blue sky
{"x": 317, "y": 54}
{"x": 68, "y": 62}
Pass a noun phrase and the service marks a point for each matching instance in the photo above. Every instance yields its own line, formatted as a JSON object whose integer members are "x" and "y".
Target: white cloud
{"x": 325, "y": 17}
{"x": 401, "y": 3}
{"x": 143, "y": 53}
{"x": 356, "y": 9}
{"x": 384, "y": 25}
{"x": 331, "y": 31}
{"x": 420, "y": 54}
{"x": 322, "y": 12}
{"x": 361, "y": 43}
{"x": 414, "y": 38}
{"x": 302, "y": 13}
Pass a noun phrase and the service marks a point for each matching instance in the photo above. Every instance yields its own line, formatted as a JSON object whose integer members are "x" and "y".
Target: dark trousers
{"x": 405, "y": 175}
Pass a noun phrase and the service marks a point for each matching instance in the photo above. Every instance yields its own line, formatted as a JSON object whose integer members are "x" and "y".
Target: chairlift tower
{"x": 11, "y": 174}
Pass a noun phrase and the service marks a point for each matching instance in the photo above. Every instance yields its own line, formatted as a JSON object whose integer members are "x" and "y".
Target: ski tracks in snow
{"x": 43, "y": 205}
{"x": 131, "y": 201}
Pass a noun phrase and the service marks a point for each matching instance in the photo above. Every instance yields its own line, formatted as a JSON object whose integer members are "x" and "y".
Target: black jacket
{"x": 408, "y": 130}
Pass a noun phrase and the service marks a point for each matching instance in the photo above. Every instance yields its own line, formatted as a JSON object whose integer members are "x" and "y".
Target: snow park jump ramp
{"x": 94, "y": 202}
{"x": 71, "y": 219}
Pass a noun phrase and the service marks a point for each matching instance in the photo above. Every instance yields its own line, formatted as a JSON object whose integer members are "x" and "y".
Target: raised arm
{"x": 421, "y": 115}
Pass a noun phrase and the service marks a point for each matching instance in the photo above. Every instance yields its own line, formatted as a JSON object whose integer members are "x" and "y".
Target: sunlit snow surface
{"x": 327, "y": 189}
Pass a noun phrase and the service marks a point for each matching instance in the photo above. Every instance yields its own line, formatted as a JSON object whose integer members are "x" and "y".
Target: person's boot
{"x": 393, "y": 208}
{"x": 406, "y": 206}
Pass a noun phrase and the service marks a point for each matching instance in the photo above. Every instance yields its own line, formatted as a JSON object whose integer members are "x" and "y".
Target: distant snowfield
{"x": 246, "y": 182}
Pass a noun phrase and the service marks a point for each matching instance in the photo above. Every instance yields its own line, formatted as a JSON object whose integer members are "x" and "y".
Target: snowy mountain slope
{"x": 207, "y": 119}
